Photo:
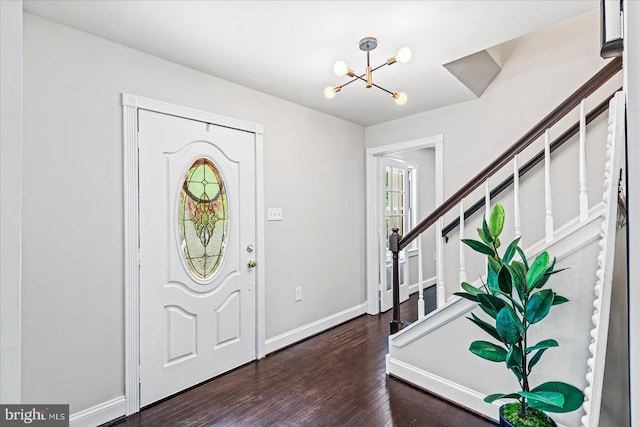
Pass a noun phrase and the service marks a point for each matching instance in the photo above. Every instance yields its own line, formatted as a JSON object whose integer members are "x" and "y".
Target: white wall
{"x": 10, "y": 193}
{"x": 73, "y": 205}
{"x": 632, "y": 88}
{"x": 615, "y": 407}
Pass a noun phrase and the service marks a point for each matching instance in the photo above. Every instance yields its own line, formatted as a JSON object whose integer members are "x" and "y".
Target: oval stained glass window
{"x": 203, "y": 218}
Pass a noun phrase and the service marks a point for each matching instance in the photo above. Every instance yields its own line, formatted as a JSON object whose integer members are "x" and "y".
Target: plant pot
{"x": 505, "y": 423}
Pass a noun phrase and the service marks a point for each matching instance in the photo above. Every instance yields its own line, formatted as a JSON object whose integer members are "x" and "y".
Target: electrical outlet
{"x": 274, "y": 214}
{"x": 299, "y": 293}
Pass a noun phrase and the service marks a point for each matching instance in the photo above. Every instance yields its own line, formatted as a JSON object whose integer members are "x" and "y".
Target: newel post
{"x": 394, "y": 247}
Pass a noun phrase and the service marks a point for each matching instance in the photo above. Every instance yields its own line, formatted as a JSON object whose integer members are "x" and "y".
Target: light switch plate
{"x": 274, "y": 214}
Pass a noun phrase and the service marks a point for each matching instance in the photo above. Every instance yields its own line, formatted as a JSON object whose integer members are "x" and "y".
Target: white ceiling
{"x": 287, "y": 48}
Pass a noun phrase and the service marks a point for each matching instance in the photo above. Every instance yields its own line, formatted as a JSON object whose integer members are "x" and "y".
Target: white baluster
{"x": 548, "y": 219}
{"x": 440, "y": 290}
{"x": 487, "y": 201}
{"x": 516, "y": 196}
{"x": 463, "y": 273}
{"x": 420, "y": 281}
{"x": 584, "y": 198}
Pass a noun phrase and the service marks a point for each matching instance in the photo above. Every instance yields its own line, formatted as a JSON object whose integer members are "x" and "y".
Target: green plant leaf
{"x": 466, "y": 295}
{"x": 485, "y": 326}
{"x": 493, "y": 397}
{"x": 504, "y": 281}
{"x": 559, "y": 299}
{"x": 492, "y": 279}
{"x": 490, "y": 304}
{"x": 547, "y": 274}
{"x": 471, "y": 289}
{"x": 514, "y": 357}
{"x": 573, "y": 397}
{"x": 543, "y": 344}
{"x": 488, "y": 351}
{"x": 496, "y": 242}
{"x": 535, "y": 359}
{"x": 486, "y": 232}
{"x": 478, "y": 246}
{"x": 514, "y": 302}
{"x": 518, "y": 274}
{"x": 558, "y": 271}
{"x": 539, "y": 305}
{"x": 547, "y": 397}
{"x": 509, "y": 326}
{"x": 494, "y": 264}
{"x": 496, "y": 221}
{"x": 486, "y": 238}
{"x": 523, "y": 257}
{"x": 537, "y": 270}
{"x": 517, "y": 372}
{"x": 510, "y": 251}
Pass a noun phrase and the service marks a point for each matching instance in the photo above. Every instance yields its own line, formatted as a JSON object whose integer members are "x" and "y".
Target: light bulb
{"x": 329, "y": 93}
{"x": 400, "y": 97}
{"x": 404, "y": 55}
{"x": 340, "y": 68}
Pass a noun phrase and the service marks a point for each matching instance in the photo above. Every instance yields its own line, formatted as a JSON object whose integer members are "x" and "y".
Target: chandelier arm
{"x": 352, "y": 80}
{"x": 381, "y": 88}
{"x": 379, "y": 66}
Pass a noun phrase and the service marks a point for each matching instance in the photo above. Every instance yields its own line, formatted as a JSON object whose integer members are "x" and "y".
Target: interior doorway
{"x": 404, "y": 184}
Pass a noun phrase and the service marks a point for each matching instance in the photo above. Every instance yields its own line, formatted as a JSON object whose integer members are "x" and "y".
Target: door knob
{"x": 251, "y": 263}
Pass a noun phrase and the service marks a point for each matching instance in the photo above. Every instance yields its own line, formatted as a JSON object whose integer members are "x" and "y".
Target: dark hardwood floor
{"x": 333, "y": 379}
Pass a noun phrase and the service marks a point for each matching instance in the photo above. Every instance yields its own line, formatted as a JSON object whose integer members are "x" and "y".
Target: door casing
{"x": 131, "y": 104}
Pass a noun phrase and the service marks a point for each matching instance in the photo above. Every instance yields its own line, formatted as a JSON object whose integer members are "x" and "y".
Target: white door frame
{"x": 131, "y": 104}
{"x": 373, "y": 154}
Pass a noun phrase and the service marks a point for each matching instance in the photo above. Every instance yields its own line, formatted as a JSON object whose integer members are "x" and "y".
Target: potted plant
{"x": 515, "y": 298}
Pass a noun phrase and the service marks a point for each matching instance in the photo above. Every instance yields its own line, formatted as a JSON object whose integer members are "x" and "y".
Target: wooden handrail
{"x": 557, "y": 143}
{"x": 534, "y": 133}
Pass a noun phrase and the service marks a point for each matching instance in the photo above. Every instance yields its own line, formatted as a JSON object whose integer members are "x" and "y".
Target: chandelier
{"x": 367, "y": 44}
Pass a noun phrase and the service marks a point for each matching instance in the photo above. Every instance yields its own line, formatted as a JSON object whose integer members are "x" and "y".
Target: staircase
{"x": 432, "y": 353}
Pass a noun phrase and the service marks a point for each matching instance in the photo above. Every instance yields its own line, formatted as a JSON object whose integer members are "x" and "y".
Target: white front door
{"x": 197, "y": 231}
{"x": 394, "y": 213}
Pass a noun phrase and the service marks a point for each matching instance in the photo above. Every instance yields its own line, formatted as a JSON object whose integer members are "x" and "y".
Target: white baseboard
{"x": 313, "y": 328}
{"x": 99, "y": 414}
{"x": 441, "y": 386}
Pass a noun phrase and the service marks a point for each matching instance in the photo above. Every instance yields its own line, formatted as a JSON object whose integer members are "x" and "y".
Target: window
{"x": 400, "y": 199}
{"x": 203, "y": 218}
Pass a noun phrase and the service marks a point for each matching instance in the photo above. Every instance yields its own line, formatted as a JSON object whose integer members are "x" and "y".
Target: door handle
{"x": 251, "y": 263}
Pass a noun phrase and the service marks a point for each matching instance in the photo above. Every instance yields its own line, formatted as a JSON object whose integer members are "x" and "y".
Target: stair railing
{"x": 398, "y": 242}
{"x": 506, "y": 183}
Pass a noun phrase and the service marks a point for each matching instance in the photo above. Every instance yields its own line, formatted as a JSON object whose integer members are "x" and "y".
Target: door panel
{"x": 394, "y": 208}
{"x": 197, "y": 218}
